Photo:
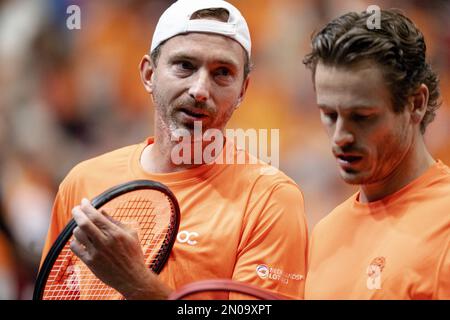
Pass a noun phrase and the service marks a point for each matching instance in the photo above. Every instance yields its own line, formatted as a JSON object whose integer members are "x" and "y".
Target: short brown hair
{"x": 398, "y": 47}
{"x": 219, "y": 14}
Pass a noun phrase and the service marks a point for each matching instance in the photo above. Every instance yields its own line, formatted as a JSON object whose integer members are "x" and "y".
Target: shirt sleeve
{"x": 273, "y": 250}
{"x": 59, "y": 218}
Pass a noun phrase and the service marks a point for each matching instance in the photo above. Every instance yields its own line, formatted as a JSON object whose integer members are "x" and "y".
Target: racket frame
{"x": 98, "y": 202}
{"x": 224, "y": 285}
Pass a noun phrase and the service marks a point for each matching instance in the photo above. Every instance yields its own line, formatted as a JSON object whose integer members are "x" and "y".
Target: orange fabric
{"x": 395, "y": 248}
{"x": 234, "y": 221}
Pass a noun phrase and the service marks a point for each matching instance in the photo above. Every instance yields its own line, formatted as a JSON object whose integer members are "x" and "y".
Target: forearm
{"x": 150, "y": 288}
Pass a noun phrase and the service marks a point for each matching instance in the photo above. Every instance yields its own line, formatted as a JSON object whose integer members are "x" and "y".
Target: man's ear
{"x": 146, "y": 70}
{"x": 418, "y": 103}
{"x": 243, "y": 91}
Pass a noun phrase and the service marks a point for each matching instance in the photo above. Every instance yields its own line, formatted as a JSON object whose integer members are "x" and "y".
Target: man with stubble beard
{"x": 237, "y": 222}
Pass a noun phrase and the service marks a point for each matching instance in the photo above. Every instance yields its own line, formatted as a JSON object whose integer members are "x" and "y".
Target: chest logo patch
{"x": 374, "y": 271}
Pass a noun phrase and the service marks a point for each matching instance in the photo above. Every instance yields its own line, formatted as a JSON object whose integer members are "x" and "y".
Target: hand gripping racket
{"x": 197, "y": 290}
{"x": 148, "y": 206}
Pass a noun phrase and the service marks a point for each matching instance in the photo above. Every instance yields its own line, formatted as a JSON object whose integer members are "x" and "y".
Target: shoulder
{"x": 435, "y": 181}
{"x": 265, "y": 182}
{"x": 335, "y": 217}
{"x": 99, "y": 172}
{"x": 104, "y": 162}
{"x": 270, "y": 194}
{"x": 107, "y": 160}
{"x": 261, "y": 175}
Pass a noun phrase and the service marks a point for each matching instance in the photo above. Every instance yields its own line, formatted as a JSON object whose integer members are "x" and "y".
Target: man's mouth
{"x": 348, "y": 158}
{"x": 194, "y": 113}
{"x": 348, "y": 161}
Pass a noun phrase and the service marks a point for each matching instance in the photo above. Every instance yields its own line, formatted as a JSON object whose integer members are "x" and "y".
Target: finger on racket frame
{"x": 148, "y": 206}
{"x": 202, "y": 289}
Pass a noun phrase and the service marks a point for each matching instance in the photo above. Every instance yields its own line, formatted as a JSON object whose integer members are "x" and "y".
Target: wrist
{"x": 150, "y": 288}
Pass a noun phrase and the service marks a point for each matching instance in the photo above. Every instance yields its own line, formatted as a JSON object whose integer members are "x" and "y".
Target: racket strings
{"x": 71, "y": 279}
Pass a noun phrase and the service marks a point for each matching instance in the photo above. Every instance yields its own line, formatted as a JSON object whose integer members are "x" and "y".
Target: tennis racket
{"x": 198, "y": 290}
{"x": 148, "y": 206}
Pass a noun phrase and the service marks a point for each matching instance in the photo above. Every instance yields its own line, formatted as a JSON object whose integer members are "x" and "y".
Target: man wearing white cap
{"x": 236, "y": 221}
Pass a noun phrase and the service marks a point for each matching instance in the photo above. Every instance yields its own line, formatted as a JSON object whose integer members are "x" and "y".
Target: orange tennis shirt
{"x": 394, "y": 248}
{"x": 235, "y": 222}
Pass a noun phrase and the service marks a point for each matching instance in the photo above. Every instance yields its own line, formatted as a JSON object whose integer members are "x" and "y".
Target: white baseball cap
{"x": 177, "y": 20}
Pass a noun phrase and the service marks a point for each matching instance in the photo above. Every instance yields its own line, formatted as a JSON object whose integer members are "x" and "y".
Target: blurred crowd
{"x": 68, "y": 95}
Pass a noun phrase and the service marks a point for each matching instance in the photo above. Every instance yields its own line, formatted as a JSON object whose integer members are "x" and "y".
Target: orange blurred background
{"x": 68, "y": 95}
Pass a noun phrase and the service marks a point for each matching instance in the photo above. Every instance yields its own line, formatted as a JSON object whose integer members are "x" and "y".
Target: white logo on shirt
{"x": 187, "y": 237}
{"x": 262, "y": 271}
{"x": 267, "y": 272}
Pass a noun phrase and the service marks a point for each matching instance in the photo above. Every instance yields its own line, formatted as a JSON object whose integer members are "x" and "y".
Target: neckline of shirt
{"x": 188, "y": 176}
{"x": 438, "y": 168}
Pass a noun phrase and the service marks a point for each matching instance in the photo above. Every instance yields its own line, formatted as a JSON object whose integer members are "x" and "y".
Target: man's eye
{"x": 223, "y": 72}
{"x": 331, "y": 116}
{"x": 184, "y": 65}
{"x": 361, "y": 117}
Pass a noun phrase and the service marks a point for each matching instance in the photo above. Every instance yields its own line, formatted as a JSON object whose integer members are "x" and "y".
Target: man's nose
{"x": 342, "y": 134}
{"x": 200, "y": 86}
